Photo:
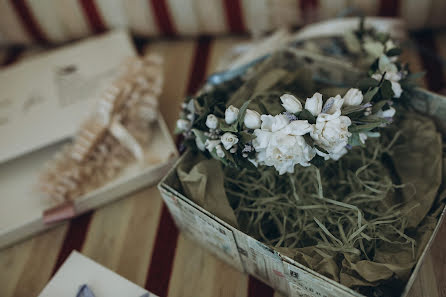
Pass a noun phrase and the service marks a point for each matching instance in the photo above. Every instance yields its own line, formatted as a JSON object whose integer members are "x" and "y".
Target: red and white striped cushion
{"x": 53, "y": 21}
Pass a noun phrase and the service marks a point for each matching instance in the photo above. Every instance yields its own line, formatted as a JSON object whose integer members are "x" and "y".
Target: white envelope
{"x": 79, "y": 270}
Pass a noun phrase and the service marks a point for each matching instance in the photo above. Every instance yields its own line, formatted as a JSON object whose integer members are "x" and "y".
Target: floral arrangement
{"x": 306, "y": 131}
{"x": 360, "y": 213}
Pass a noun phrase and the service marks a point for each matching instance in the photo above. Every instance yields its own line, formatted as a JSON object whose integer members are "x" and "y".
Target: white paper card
{"x": 79, "y": 270}
{"x": 44, "y": 99}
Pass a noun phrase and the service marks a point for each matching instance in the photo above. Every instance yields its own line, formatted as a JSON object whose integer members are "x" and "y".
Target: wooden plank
{"x": 140, "y": 234}
{"x": 39, "y": 262}
{"x": 105, "y": 236}
{"x": 177, "y": 64}
{"x": 197, "y": 273}
{"x": 26, "y": 267}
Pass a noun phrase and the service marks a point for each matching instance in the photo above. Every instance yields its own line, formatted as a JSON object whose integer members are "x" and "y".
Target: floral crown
{"x": 302, "y": 131}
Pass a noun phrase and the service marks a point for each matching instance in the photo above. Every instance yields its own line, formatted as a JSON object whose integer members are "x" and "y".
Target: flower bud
{"x": 353, "y": 97}
{"x": 219, "y": 151}
{"x": 231, "y": 114}
{"x": 182, "y": 124}
{"x": 314, "y": 104}
{"x": 212, "y": 121}
{"x": 291, "y": 103}
{"x": 252, "y": 119}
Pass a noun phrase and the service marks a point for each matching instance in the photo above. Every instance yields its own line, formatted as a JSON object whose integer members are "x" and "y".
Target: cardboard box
{"x": 79, "y": 270}
{"x": 92, "y": 64}
{"x": 251, "y": 256}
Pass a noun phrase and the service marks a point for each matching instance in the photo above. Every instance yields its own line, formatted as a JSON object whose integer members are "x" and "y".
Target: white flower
{"x": 331, "y": 109}
{"x": 374, "y": 48}
{"x": 273, "y": 123}
{"x": 252, "y": 119}
{"x": 190, "y": 106}
{"x": 385, "y": 65}
{"x": 231, "y": 114}
{"x": 396, "y": 88}
{"x": 211, "y": 144}
{"x": 314, "y": 104}
{"x": 219, "y": 151}
{"x": 212, "y": 121}
{"x": 183, "y": 125}
{"x": 390, "y": 44}
{"x": 353, "y": 97}
{"x": 393, "y": 78}
{"x": 278, "y": 147}
{"x": 291, "y": 103}
{"x": 388, "y": 113}
{"x": 228, "y": 140}
{"x": 332, "y": 135}
{"x": 299, "y": 127}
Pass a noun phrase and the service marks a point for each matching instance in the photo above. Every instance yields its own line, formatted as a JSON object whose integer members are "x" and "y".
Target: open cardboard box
{"x": 251, "y": 256}
{"x": 79, "y": 270}
{"x": 27, "y": 150}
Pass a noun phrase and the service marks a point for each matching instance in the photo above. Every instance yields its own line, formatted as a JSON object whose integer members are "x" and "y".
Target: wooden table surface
{"x": 136, "y": 236}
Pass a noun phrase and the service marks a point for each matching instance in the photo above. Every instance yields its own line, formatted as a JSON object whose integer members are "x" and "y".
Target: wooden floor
{"x": 136, "y": 237}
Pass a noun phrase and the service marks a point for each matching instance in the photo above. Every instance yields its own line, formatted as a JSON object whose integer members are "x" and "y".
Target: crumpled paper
{"x": 203, "y": 184}
{"x": 418, "y": 161}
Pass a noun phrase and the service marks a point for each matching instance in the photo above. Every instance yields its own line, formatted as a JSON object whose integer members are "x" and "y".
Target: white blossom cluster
{"x": 279, "y": 140}
{"x": 386, "y": 65}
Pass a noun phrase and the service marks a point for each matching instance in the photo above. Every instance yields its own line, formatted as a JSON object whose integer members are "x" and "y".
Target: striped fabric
{"x": 136, "y": 236}
{"x": 53, "y": 21}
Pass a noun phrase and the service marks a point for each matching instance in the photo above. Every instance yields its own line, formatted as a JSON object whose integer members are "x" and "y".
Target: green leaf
{"x": 382, "y": 36}
{"x": 199, "y": 134}
{"x": 372, "y": 119}
{"x": 377, "y": 106}
{"x": 366, "y": 83}
{"x": 363, "y": 128}
{"x": 396, "y": 51}
{"x": 244, "y": 163}
{"x": 246, "y": 137}
{"x": 370, "y": 94}
{"x": 415, "y": 76}
{"x": 228, "y": 128}
{"x": 321, "y": 149}
{"x": 309, "y": 140}
{"x": 306, "y": 115}
{"x": 229, "y": 156}
{"x": 242, "y": 112}
{"x": 317, "y": 161}
{"x": 386, "y": 90}
{"x": 354, "y": 140}
{"x": 216, "y": 157}
{"x": 348, "y": 109}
